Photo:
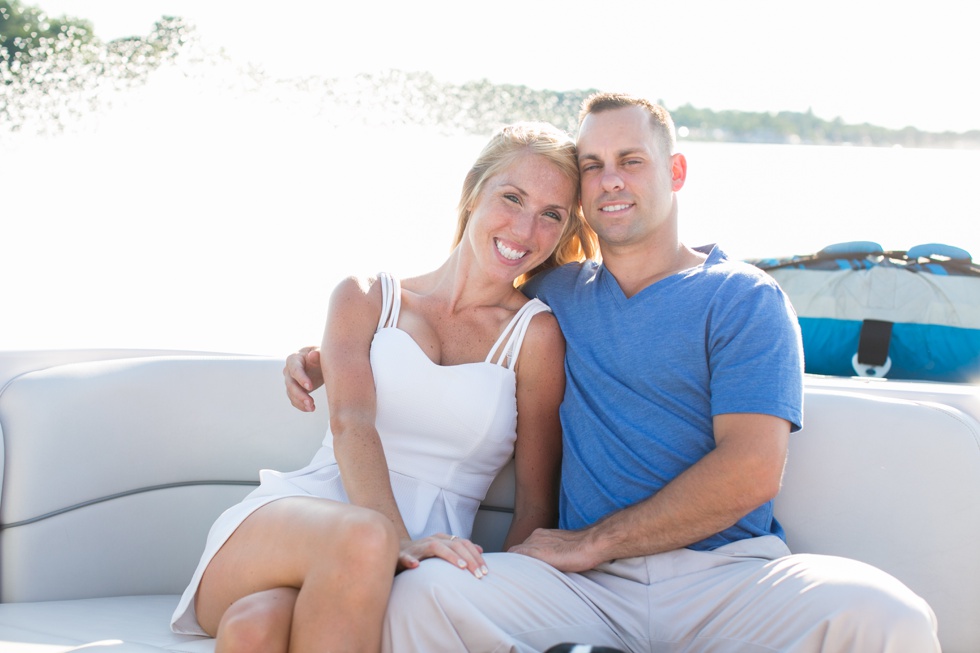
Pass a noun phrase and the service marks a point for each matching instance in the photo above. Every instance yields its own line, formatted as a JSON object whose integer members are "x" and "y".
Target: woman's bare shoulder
{"x": 544, "y": 337}
{"x": 357, "y": 295}
{"x": 358, "y": 288}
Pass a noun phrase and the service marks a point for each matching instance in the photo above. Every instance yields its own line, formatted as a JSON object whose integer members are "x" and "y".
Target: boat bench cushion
{"x": 118, "y": 624}
{"x": 114, "y": 470}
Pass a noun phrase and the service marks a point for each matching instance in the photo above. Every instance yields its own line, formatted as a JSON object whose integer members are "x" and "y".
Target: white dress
{"x": 446, "y": 430}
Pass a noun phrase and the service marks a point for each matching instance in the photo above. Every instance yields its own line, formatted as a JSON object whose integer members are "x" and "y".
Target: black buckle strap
{"x": 873, "y": 343}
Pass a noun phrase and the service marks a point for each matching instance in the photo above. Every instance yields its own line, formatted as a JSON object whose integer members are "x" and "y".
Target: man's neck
{"x": 638, "y": 268}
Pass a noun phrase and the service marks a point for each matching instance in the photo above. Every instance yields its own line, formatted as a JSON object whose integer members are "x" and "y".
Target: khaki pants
{"x": 750, "y": 596}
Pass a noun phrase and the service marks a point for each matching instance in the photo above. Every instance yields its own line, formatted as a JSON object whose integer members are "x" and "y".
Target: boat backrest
{"x": 894, "y": 483}
{"x": 115, "y": 469}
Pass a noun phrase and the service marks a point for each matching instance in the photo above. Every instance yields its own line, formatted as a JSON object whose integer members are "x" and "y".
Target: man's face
{"x": 628, "y": 177}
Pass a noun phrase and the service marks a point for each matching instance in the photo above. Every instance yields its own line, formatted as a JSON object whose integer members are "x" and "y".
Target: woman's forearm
{"x": 364, "y": 471}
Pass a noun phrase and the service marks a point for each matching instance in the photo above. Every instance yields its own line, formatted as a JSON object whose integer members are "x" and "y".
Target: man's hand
{"x": 303, "y": 375}
{"x": 566, "y": 551}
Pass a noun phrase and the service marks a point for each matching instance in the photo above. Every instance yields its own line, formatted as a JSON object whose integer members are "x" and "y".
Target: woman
{"x": 432, "y": 369}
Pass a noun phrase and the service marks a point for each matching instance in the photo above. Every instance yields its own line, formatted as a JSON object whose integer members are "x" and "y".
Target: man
{"x": 684, "y": 381}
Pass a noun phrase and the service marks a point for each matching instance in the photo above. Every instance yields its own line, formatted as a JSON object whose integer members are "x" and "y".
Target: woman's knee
{"x": 258, "y": 623}
{"x": 367, "y": 538}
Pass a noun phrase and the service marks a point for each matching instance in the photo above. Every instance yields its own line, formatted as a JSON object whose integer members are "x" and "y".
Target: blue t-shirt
{"x": 646, "y": 375}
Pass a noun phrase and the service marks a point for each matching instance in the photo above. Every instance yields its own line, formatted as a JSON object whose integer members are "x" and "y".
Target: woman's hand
{"x": 455, "y": 550}
{"x": 303, "y": 375}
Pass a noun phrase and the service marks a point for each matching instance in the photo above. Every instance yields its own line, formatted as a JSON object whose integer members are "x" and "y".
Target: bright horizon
{"x": 179, "y": 204}
{"x": 863, "y": 62}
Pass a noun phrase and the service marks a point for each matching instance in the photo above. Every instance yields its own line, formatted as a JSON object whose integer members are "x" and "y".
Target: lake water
{"x": 191, "y": 216}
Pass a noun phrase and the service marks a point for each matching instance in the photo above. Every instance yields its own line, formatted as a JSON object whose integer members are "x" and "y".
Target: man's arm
{"x": 303, "y": 375}
{"x": 743, "y": 471}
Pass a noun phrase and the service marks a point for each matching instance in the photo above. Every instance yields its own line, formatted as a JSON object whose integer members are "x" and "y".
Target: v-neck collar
{"x": 609, "y": 282}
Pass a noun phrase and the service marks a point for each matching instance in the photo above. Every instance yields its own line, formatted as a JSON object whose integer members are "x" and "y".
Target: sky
{"x": 894, "y": 65}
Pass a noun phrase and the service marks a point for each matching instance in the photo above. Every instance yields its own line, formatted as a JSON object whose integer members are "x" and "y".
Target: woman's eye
{"x": 553, "y": 215}
{"x": 513, "y": 198}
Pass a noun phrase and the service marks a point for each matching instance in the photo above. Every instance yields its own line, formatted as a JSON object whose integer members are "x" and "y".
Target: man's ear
{"x": 678, "y": 171}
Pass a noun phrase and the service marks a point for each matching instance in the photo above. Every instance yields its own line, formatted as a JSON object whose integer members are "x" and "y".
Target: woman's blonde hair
{"x": 578, "y": 242}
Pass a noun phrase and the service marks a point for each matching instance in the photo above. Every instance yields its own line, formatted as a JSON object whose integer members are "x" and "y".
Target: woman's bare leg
{"x": 258, "y": 623}
{"x": 340, "y": 558}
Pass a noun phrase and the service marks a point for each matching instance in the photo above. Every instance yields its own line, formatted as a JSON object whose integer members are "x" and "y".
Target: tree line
{"x": 62, "y": 57}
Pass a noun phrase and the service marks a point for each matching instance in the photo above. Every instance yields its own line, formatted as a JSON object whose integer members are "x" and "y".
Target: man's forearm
{"x": 696, "y": 505}
{"x": 739, "y": 475}
{"x": 707, "y": 498}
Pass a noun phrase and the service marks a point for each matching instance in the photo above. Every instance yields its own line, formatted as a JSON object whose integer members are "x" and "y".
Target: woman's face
{"x": 519, "y": 216}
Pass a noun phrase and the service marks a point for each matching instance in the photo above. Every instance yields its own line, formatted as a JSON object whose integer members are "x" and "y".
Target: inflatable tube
{"x": 897, "y": 314}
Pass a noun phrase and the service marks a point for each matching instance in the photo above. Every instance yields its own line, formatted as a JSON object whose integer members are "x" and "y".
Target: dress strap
{"x": 513, "y": 334}
{"x": 391, "y": 300}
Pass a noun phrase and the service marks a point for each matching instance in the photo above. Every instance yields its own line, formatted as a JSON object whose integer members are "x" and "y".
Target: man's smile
{"x": 614, "y": 207}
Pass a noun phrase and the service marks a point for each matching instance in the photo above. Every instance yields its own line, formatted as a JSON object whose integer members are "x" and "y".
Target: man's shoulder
{"x": 722, "y": 268}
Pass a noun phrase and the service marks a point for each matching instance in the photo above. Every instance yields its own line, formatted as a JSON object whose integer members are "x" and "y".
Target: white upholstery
{"x": 121, "y": 624}
{"x": 896, "y": 484}
{"x": 113, "y": 471}
{"x": 83, "y": 432}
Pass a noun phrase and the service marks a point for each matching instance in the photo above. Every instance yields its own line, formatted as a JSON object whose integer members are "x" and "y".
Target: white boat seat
{"x": 113, "y": 471}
